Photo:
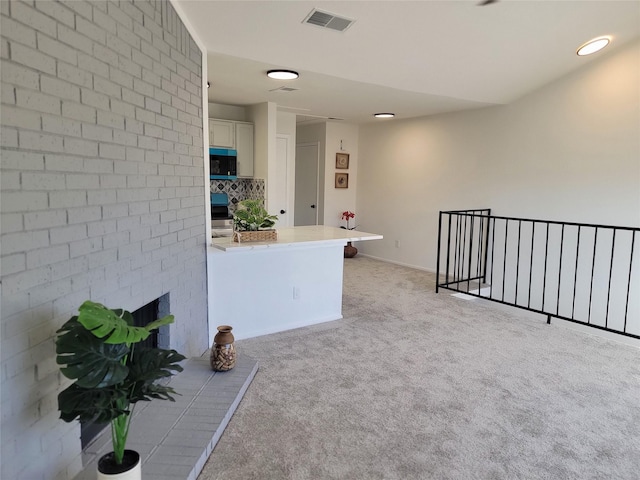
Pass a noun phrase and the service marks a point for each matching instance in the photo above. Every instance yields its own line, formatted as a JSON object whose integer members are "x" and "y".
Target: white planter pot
{"x": 133, "y": 473}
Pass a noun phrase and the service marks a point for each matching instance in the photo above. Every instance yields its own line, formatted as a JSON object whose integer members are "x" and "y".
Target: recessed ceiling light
{"x": 282, "y": 74}
{"x": 384, "y": 115}
{"x": 593, "y": 46}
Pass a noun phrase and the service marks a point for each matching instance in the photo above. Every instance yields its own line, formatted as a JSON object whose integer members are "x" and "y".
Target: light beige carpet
{"x": 414, "y": 385}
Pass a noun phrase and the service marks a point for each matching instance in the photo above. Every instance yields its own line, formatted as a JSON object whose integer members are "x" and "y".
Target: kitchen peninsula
{"x": 267, "y": 287}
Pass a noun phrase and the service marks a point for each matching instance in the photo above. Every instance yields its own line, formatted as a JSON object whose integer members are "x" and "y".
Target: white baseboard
{"x": 386, "y": 260}
{"x": 289, "y": 326}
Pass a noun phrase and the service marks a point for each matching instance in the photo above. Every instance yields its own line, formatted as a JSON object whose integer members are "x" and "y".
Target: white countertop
{"x": 298, "y": 236}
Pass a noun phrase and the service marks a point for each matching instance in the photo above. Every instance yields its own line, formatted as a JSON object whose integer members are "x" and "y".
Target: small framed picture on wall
{"x": 342, "y": 180}
{"x": 342, "y": 160}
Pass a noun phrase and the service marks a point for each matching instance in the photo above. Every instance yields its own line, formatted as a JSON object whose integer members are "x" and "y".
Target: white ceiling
{"x": 413, "y": 58}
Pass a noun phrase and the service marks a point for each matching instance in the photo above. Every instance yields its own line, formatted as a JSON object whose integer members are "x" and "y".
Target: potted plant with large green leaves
{"x": 252, "y": 222}
{"x": 99, "y": 349}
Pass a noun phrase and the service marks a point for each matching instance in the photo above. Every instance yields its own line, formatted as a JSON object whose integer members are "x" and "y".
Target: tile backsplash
{"x": 240, "y": 189}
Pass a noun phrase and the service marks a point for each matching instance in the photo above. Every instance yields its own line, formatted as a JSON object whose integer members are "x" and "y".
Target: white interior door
{"x": 306, "y": 189}
{"x": 280, "y": 204}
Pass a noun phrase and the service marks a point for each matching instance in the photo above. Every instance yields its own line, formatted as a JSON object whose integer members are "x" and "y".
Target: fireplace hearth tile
{"x": 188, "y": 429}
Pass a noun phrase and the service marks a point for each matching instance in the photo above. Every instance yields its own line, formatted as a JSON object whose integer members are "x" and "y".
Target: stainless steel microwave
{"x": 223, "y": 164}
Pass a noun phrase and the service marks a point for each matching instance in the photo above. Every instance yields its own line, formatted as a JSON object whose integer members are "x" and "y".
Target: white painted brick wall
{"x": 102, "y": 198}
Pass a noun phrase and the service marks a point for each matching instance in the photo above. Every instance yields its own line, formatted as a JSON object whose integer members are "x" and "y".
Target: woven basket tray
{"x": 255, "y": 236}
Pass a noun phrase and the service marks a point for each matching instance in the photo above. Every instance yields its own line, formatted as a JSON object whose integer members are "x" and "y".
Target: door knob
{"x": 313, "y": 206}
{"x": 282, "y": 212}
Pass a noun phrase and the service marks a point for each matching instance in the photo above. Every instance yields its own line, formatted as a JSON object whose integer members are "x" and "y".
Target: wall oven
{"x": 223, "y": 164}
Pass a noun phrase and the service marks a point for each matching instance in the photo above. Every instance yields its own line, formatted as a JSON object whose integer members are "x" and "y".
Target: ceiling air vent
{"x": 328, "y": 20}
{"x": 284, "y": 89}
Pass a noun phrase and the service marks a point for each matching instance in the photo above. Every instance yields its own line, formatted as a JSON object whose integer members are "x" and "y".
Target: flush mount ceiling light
{"x": 282, "y": 74}
{"x": 593, "y": 46}
{"x": 384, "y": 115}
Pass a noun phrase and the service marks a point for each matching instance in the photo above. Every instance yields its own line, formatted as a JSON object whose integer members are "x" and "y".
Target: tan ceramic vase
{"x": 223, "y": 350}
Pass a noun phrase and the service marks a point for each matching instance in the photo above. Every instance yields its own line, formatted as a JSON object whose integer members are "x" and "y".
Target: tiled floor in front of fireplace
{"x": 175, "y": 439}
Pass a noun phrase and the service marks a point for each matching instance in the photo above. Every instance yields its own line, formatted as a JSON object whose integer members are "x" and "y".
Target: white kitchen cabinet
{"x": 244, "y": 146}
{"x": 237, "y": 136}
{"x": 222, "y": 133}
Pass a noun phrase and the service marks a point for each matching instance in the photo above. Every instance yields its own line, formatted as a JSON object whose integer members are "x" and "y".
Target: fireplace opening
{"x": 152, "y": 311}
{"x": 143, "y": 316}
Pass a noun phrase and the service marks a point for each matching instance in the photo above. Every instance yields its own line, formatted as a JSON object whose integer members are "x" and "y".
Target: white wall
{"x": 569, "y": 151}
{"x": 337, "y": 200}
{"x": 227, "y": 112}
{"x": 334, "y": 137}
{"x": 286, "y": 124}
{"x": 259, "y": 115}
{"x": 573, "y": 148}
{"x": 264, "y": 118}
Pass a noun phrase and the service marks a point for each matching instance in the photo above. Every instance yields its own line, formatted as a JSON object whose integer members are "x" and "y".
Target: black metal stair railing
{"x": 583, "y": 273}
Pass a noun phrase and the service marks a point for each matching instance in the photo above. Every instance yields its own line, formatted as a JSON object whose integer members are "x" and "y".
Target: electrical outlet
{"x": 296, "y": 293}
{"x": 397, "y": 243}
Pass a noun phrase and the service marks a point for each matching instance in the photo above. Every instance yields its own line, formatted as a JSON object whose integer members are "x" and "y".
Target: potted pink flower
{"x": 347, "y": 215}
{"x": 349, "y": 250}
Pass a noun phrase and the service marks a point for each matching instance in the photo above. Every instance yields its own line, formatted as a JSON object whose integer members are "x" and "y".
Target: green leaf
{"x": 160, "y": 392}
{"x": 159, "y": 323}
{"x": 89, "y": 361}
{"x": 151, "y": 365}
{"x": 112, "y": 325}
{"x": 91, "y": 405}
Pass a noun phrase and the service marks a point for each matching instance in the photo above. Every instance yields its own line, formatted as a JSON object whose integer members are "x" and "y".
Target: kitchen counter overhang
{"x": 267, "y": 287}
{"x": 297, "y": 237}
